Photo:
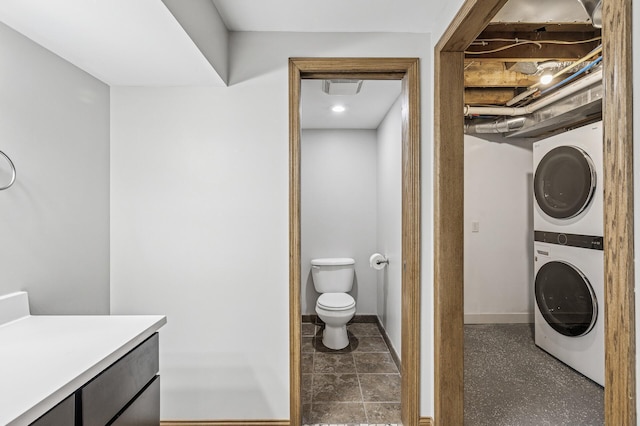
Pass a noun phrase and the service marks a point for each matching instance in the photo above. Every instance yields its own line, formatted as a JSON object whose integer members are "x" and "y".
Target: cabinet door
{"x": 62, "y": 414}
{"x": 144, "y": 410}
{"x": 106, "y": 395}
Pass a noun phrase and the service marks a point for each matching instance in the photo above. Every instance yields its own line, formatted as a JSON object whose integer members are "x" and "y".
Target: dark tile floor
{"x": 509, "y": 381}
{"x": 356, "y": 385}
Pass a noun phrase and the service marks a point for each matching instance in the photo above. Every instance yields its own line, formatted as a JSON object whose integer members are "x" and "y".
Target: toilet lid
{"x": 336, "y": 301}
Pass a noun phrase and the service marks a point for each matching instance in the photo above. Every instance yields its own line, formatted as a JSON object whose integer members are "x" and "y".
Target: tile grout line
{"x": 313, "y": 369}
{"x": 364, "y": 408}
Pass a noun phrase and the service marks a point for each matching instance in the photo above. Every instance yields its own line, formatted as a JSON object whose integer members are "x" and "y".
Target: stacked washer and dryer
{"x": 568, "y": 249}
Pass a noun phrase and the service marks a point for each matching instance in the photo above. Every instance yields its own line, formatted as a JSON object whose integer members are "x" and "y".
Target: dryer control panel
{"x": 572, "y": 240}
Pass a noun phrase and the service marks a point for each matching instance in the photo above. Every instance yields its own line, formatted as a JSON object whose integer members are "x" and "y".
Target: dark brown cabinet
{"x": 126, "y": 393}
{"x": 63, "y": 414}
{"x": 145, "y": 409}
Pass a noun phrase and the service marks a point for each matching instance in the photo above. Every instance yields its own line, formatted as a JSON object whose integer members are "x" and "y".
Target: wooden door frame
{"x": 620, "y": 370}
{"x": 407, "y": 70}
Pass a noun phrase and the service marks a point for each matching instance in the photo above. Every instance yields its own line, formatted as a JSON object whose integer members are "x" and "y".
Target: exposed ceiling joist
{"x": 492, "y": 79}
{"x": 540, "y": 27}
{"x": 494, "y": 74}
{"x": 563, "y": 46}
{"x": 488, "y": 96}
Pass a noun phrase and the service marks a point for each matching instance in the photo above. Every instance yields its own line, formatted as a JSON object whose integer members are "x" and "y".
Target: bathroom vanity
{"x": 77, "y": 370}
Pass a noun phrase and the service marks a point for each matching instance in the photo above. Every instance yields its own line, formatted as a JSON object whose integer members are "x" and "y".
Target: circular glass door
{"x": 566, "y": 299}
{"x": 564, "y": 182}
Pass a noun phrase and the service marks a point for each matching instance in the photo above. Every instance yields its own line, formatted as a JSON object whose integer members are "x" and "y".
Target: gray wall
{"x": 338, "y": 203}
{"x": 389, "y": 224}
{"x": 498, "y": 259}
{"x": 54, "y": 221}
{"x": 201, "y": 234}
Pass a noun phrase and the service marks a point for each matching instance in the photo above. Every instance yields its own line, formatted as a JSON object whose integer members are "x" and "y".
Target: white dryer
{"x": 569, "y": 294}
{"x": 567, "y": 183}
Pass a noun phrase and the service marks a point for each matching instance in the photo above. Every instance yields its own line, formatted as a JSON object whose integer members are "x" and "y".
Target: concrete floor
{"x": 511, "y": 382}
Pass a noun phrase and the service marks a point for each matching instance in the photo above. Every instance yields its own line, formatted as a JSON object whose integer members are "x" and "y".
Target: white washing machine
{"x": 569, "y": 294}
{"x": 567, "y": 183}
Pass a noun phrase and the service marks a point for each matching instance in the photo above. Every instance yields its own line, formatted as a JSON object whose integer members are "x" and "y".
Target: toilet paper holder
{"x": 378, "y": 261}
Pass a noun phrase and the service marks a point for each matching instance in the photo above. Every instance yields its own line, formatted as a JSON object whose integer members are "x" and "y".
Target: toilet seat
{"x": 335, "y": 301}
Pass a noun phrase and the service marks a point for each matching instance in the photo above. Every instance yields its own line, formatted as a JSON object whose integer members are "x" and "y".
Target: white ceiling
{"x": 409, "y": 16}
{"x": 542, "y": 11}
{"x": 363, "y": 111}
{"x": 120, "y": 42}
{"x": 140, "y": 43}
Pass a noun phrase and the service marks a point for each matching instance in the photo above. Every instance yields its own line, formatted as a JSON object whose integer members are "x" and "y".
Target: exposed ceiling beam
{"x": 494, "y": 74}
{"x": 532, "y": 52}
{"x": 531, "y": 27}
{"x": 492, "y": 79}
{"x": 488, "y": 96}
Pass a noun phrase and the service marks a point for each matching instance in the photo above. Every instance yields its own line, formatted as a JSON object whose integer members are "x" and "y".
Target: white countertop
{"x": 44, "y": 359}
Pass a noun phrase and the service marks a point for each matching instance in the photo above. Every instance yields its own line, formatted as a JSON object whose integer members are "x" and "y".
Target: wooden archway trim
{"x": 407, "y": 70}
{"x": 620, "y": 368}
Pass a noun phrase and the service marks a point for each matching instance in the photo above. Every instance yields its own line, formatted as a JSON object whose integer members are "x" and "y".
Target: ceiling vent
{"x": 342, "y": 87}
{"x": 594, "y": 9}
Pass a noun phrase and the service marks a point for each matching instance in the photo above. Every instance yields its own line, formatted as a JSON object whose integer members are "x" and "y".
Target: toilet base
{"x": 335, "y": 337}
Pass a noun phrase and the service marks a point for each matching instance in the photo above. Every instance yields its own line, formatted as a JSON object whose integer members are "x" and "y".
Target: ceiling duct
{"x": 578, "y": 109}
{"x": 594, "y": 9}
{"x": 583, "y": 106}
{"x": 537, "y": 68}
{"x": 501, "y": 125}
{"x": 342, "y": 87}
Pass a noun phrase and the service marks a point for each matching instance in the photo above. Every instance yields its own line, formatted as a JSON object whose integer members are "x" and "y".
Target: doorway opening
{"x": 407, "y": 71}
{"x": 620, "y": 404}
{"x": 351, "y": 209}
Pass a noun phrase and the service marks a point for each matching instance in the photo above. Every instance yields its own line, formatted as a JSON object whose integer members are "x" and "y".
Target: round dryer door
{"x": 566, "y": 299}
{"x": 564, "y": 182}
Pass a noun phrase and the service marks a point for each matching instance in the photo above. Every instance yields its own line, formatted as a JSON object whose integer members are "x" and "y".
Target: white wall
{"x": 199, "y": 222}
{"x": 338, "y": 204}
{"x": 389, "y": 233}
{"x": 54, "y": 221}
{"x": 447, "y": 11}
{"x": 498, "y": 260}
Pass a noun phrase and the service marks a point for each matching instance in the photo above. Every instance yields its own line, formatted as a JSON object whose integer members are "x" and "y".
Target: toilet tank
{"x": 332, "y": 275}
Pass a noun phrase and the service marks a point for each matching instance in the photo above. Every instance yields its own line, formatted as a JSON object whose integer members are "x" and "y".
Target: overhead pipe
{"x": 522, "y": 96}
{"x": 534, "y": 88}
{"x": 572, "y": 76}
{"x": 501, "y": 125}
{"x": 568, "y": 90}
{"x": 586, "y": 57}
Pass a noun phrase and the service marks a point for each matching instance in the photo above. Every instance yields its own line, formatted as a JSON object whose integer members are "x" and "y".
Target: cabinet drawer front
{"x": 62, "y": 414}
{"x": 144, "y": 410}
{"x": 109, "y": 392}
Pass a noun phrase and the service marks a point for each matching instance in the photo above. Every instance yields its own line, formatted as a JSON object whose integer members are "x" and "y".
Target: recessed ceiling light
{"x": 338, "y": 108}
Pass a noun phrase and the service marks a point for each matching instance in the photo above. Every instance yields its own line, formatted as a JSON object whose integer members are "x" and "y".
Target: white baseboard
{"x": 509, "y": 318}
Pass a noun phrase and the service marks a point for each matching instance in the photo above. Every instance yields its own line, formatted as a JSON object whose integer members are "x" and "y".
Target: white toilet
{"x": 333, "y": 278}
